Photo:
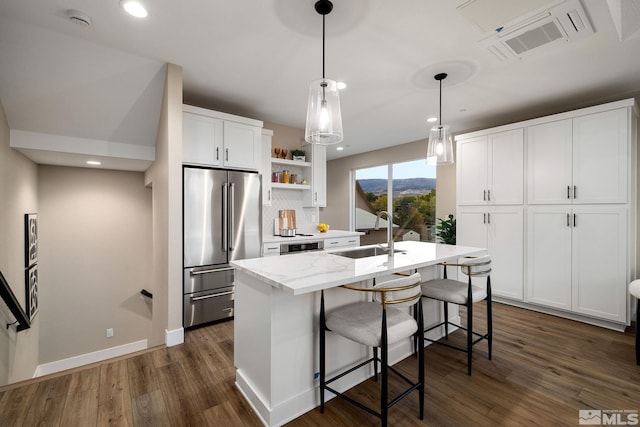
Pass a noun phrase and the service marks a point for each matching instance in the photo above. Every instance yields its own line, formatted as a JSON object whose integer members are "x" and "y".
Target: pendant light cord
{"x": 440, "y": 112}
{"x": 323, "y": 46}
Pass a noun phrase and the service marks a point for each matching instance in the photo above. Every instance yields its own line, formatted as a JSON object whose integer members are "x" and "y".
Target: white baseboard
{"x": 85, "y": 359}
{"x": 173, "y": 337}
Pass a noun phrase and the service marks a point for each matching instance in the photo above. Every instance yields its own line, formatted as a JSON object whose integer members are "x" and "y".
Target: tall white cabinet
{"x": 490, "y": 188}
{"x": 565, "y": 243}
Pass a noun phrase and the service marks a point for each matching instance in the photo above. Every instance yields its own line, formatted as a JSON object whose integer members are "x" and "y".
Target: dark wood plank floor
{"x": 544, "y": 370}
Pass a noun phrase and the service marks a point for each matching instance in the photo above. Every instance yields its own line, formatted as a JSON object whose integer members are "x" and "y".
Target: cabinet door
{"x": 265, "y": 168}
{"x": 201, "y": 140}
{"x": 471, "y": 227}
{"x": 600, "y": 261}
{"x": 506, "y": 168}
{"x": 549, "y": 256}
{"x": 472, "y": 171}
{"x": 600, "y": 157}
{"x": 241, "y": 146}
{"x": 317, "y": 196}
{"x": 549, "y": 159}
{"x": 506, "y": 247}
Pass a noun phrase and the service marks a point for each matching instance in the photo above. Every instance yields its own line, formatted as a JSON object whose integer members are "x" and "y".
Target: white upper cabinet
{"x": 317, "y": 195}
{"x": 601, "y": 157}
{"x": 201, "y": 140}
{"x": 265, "y": 169}
{"x": 491, "y": 169}
{"x": 211, "y": 138}
{"x": 583, "y": 160}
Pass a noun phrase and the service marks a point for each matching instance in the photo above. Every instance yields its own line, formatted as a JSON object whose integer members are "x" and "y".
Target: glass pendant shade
{"x": 440, "y": 148}
{"x": 324, "y": 121}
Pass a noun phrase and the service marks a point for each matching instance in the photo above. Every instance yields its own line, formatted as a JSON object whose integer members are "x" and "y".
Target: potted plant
{"x": 298, "y": 155}
{"x": 446, "y": 230}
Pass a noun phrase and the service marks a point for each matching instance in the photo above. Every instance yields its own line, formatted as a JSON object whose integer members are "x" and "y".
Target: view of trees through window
{"x": 412, "y": 186}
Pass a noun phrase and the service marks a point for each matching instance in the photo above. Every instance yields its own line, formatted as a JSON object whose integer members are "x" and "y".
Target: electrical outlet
{"x": 109, "y": 332}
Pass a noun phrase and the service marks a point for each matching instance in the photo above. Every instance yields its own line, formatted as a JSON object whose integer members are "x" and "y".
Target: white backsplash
{"x": 306, "y": 218}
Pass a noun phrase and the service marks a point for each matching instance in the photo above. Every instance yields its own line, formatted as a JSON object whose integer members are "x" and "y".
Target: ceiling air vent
{"x": 562, "y": 22}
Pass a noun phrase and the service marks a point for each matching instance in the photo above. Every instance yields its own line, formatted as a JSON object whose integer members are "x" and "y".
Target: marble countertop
{"x": 312, "y": 271}
{"x": 312, "y": 236}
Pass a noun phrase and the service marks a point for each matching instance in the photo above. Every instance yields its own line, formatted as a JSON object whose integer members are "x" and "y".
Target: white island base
{"x": 276, "y": 313}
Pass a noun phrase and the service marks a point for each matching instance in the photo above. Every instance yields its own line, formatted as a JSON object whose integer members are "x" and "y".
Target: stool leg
{"x": 384, "y": 409}
{"x": 489, "y": 316}
{"x": 637, "y": 331}
{"x": 375, "y": 363}
{"x": 469, "y": 326}
{"x": 446, "y": 320}
{"x": 420, "y": 357}
{"x": 322, "y": 351}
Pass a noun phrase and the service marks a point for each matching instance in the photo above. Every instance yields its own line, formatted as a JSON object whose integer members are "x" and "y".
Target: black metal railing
{"x": 10, "y": 300}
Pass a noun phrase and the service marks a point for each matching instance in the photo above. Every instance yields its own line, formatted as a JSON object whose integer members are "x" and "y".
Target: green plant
{"x": 446, "y": 230}
{"x": 297, "y": 152}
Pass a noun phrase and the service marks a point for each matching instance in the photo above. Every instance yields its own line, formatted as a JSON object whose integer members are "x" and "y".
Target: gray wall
{"x": 18, "y": 195}
{"x": 94, "y": 258}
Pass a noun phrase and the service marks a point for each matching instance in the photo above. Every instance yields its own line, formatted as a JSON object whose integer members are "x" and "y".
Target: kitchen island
{"x": 276, "y": 320}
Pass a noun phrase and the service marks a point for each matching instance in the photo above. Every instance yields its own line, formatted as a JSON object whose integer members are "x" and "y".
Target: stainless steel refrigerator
{"x": 222, "y": 222}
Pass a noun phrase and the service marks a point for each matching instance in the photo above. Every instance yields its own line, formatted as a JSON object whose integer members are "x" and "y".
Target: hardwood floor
{"x": 544, "y": 370}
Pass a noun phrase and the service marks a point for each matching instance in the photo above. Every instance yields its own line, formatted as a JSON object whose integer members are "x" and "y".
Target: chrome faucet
{"x": 389, "y": 230}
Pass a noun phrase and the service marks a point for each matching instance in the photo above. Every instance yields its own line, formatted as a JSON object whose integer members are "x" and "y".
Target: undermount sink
{"x": 365, "y": 252}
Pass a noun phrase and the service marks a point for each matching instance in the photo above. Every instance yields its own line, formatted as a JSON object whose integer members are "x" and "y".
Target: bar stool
{"x": 377, "y": 324}
{"x": 634, "y": 289}
{"x": 463, "y": 294}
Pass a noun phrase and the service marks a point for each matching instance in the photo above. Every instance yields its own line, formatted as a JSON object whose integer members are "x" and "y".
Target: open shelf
{"x": 290, "y": 162}
{"x": 290, "y": 186}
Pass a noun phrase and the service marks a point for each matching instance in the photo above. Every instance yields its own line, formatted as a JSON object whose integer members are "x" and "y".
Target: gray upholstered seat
{"x": 452, "y": 291}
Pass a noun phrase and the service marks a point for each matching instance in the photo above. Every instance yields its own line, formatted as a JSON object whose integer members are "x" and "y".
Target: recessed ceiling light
{"x": 342, "y": 85}
{"x": 93, "y": 162}
{"x": 134, "y": 8}
{"x": 432, "y": 119}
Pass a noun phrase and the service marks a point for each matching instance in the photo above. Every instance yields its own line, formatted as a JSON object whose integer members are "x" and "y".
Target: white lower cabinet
{"x": 341, "y": 242}
{"x": 500, "y": 229}
{"x": 577, "y": 259}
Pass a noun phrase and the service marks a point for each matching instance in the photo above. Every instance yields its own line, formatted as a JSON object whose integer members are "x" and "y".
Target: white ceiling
{"x": 98, "y": 89}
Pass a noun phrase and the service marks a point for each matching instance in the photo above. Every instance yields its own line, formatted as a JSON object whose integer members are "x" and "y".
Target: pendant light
{"x": 440, "y": 141}
{"x": 324, "y": 122}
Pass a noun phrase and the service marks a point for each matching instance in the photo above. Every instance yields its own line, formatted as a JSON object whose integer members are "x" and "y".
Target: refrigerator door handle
{"x": 225, "y": 206}
{"x": 213, "y": 270}
{"x": 232, "y": 214}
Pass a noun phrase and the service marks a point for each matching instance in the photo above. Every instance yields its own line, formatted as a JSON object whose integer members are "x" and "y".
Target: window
{"x": 412, "y": 186}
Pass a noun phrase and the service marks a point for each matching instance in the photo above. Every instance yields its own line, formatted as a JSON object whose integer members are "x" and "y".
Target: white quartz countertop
{"x": 306, "y": 272}
{"x": 310, "y": 236}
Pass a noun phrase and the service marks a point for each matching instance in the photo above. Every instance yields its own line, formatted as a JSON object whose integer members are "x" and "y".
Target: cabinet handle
{"x": 488, "y": 195}
{"x": 489, "y": 218}
{"x": 568, "y": 220}
{"x": 315, "y": 196}
{"x": 484, "y": 218}
{"x": 574, "y": 220}
{"x": 568, "y": 192}
{"x": 575, "y": 191}
{"x": 226, "y": 154}
{"x": 217, "y": 153}
{"x": 484, "y": 195}
{"x": 269, "y": 196}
